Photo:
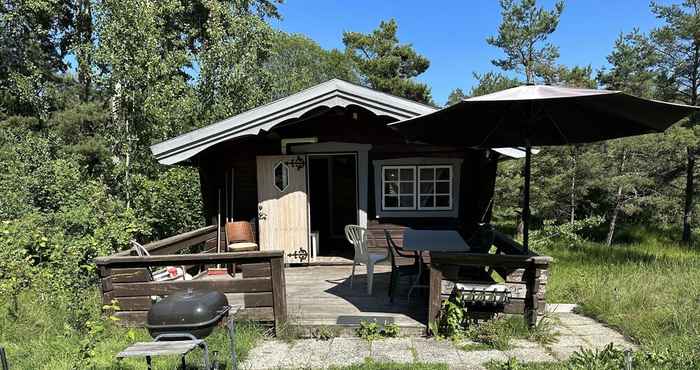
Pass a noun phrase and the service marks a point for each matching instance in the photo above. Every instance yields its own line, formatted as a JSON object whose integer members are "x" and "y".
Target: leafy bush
{"x": 568, "y": 233}
{"x": 371, "y": 330}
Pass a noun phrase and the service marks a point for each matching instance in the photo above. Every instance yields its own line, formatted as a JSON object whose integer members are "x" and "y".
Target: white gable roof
{"x": 332, "y": 93}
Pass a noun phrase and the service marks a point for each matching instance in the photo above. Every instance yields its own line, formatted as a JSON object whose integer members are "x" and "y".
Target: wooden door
{"x": 283, "y": 206}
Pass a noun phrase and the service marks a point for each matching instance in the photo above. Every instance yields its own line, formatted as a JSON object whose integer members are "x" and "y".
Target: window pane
{"x": 442, "y": 173}
{"x": 427, "y": 201}
{"x": 406, "y": 201}
{"x": 391, "y": 174}
{"x": 442, "y": 187}
{"x": 406, "y": 188}
{"x": 391, "y": 188}
{"x": 407, "y": 174}
{"x": 442, "y": 201}
{"x": 427, "y": 173}
{"x": 427, "y": 187}
{"x": 390, "y": 201}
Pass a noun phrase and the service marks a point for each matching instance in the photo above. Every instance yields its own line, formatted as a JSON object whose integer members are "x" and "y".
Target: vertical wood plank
{"x": 279, "y": 292}
{"x": 434, "y": 301}
{"x": 532, "y": 285}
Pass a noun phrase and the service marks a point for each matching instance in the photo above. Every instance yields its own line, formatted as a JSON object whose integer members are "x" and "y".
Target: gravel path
{"x": 575, "y": 331}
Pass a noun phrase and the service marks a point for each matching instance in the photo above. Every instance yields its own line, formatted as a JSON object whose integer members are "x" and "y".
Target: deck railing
{"x": 525, "y": 276}
{"x": 126, "y": 279}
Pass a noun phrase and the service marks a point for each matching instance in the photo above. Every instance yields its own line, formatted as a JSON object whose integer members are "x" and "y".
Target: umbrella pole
{"x": 526, "y": 200}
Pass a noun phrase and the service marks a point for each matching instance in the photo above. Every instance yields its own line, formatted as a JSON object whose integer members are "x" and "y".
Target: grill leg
{"x": 148, "y": 363}
{"x": 3, "y": 359}
{"x": 205, "y": 350}
{"x": 232, "y": 342}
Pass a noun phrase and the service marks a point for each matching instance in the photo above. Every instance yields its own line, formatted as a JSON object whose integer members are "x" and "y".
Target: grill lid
{"x": 187, "y": 310}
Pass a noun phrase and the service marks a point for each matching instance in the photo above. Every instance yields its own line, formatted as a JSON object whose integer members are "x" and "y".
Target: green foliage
{"x": 391, "y": 330}
{"x": 522, "y": 35}
{"x": 454, "y": 323}
{"x": 231, "y": 78}
{"x": 609, "y": 358}
{"x": 40, "y": 337}
{"x": 455, "y": 97}
{"x": 647, "y": 290}
{"x": 171, "y": 201}
{"x": 491, "y": 82}
{"x": 296, "y": 62}
{"x": 386, "y": 65}
{"x": 371, "y": 330}
{"x": 452, "y": 320}
{"x": 325, "y": 332}
{"x": 569, "y": 233}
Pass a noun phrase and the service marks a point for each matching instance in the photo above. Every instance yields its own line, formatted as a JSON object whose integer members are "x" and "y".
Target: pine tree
{"x": 386, "y": 65}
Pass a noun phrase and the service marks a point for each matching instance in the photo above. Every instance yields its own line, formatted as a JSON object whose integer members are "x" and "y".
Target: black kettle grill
{"x": 191, "y": 312}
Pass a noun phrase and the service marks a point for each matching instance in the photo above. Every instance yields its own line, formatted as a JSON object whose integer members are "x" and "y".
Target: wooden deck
{"x": 321, "y": 296}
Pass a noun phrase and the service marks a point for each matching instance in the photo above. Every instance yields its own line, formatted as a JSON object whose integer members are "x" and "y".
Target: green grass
{"x": 499, "y": 333}
{"x": 39, "y": 338}
{"x": 649, "y": 291}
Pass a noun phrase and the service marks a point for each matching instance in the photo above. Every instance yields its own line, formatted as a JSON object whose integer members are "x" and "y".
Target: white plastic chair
{"x": 357, "y": 236}
{"x": 166, "y": 274}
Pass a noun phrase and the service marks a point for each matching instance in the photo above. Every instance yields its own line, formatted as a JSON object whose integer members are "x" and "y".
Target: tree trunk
{"x": 618, "y": 202}
{"x": 613, "y": 220}
{"x": 84, "y": 28}
{"x": 689, "y": 192}
{"x": 573, "y": 185}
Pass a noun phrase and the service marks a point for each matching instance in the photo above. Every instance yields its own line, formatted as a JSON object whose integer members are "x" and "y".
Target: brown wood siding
{"x": 357, "y": 125}
{"x": 478, "y": 174}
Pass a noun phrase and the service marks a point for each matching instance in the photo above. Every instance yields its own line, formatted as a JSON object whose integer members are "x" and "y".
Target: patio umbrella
{"x": 536, "y": 115}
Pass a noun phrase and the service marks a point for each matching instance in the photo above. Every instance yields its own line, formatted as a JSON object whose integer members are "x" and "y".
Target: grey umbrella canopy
{"x": 536, "y": 115}
{"x": 542, "y": 115}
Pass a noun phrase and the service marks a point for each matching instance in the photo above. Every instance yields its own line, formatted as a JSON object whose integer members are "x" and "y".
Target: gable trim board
{"x": 333, "y": 93}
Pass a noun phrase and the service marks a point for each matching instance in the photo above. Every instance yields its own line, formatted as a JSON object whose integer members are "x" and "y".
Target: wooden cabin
{"x": 298, "y": 170}
{"x": 302, "y": 167}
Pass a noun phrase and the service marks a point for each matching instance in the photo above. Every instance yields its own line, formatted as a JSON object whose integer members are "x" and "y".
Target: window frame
{"x": 398, "y": 181}
{"x": 377, "y": 186}
{"x": 416, "y": 187}
{"x": 435, "y": 194}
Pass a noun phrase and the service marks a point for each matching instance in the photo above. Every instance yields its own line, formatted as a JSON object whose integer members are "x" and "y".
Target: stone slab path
{"x": 575, "y": 332}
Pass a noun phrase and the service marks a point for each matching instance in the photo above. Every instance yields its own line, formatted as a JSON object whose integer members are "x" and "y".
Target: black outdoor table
{"x": 431, "y": 241}
{"x": 434, "y": 241}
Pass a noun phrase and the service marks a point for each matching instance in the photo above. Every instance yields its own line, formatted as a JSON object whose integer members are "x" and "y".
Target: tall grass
{"x": 39, "y": 337}
{"x": 649, "y": 290}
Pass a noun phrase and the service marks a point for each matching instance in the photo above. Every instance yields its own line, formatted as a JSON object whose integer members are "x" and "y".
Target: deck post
{"x": 279, "y": 292}
{"x": 435, "y": 299}
{"x": 532, "y": 285}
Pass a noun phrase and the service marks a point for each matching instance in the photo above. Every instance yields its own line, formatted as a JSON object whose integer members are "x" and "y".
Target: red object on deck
{"x": 217, "y": 271}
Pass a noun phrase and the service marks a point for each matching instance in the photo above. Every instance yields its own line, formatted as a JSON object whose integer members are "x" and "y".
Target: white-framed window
{"x": 417, "y": 187}
{"x": 435, "y": 187}
{"x": 398, "y": 187}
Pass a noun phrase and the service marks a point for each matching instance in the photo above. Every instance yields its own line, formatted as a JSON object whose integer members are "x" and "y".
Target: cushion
{"x": 242, "y": 247}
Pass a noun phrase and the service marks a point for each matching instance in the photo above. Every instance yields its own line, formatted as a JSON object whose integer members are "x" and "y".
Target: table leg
{"x": 420, "y": 272}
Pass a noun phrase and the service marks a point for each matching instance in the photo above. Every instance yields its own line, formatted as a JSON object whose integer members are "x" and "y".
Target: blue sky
{"x": 452, "y": 34}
